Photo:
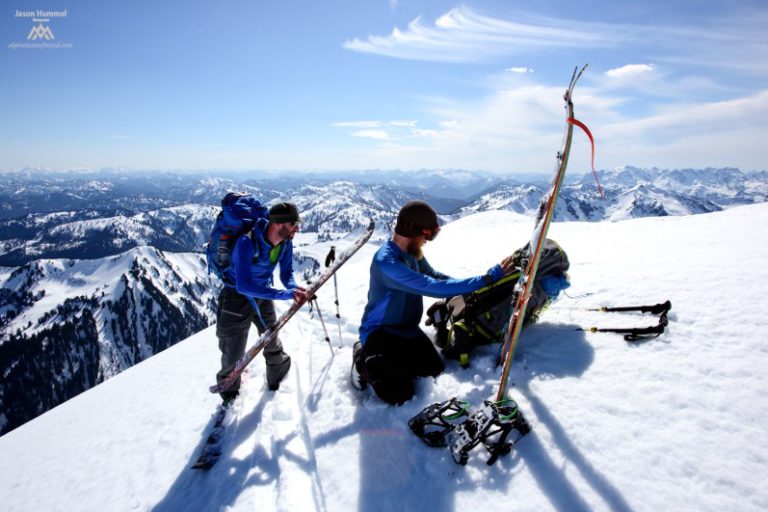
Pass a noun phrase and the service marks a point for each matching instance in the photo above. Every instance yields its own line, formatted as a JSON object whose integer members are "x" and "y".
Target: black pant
{"x": 234, "y": 317}
{"x": 393, "y": 362}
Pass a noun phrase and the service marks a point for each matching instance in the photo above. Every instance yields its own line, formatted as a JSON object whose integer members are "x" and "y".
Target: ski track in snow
{"x": 675, "y": 423}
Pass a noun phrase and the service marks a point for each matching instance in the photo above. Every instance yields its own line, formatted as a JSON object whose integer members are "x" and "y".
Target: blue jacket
{"x": 253, "y": 275}
{"x": 398, "y": 281}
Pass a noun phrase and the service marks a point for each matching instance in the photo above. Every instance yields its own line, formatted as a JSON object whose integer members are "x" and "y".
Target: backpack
{"x": 238, "y": 215}
{"x": 481, "y": 317}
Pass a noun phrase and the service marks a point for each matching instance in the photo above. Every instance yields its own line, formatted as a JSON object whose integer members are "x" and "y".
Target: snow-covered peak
{"x": 616, "y": 426}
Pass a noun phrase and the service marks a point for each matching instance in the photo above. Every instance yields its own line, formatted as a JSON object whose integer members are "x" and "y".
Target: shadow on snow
{"x": 397, "y": 471}
{"x": 220, "y": 486}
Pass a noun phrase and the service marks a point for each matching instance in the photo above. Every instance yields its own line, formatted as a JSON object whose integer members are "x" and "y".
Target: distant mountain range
{"x": 85, "y": 215}
{"x": 632, "y": 193}
{"x": 100, "y": 270}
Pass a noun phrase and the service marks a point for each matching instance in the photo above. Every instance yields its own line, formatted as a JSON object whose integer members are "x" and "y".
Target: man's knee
{"x": 388, "y": 381}
{"x": 395, "y": 392}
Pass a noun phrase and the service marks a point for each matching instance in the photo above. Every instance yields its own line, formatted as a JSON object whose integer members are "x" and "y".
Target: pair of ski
{"x": 494, "y": 421}
{"x": 211, "y": 450}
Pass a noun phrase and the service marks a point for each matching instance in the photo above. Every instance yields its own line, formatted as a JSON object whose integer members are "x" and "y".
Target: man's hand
{"x": 300, "y": 295}
{"x": 507, "y": 264}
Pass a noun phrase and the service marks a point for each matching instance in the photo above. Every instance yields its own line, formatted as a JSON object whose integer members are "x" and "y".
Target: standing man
{"x": 249, "y": 293}
{"x": 393, "y": 350}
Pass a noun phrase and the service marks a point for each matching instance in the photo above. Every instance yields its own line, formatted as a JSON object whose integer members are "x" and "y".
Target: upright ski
{"x": 491, "y": 425}
{"x": 543, "y": 219}
{"x": 270, "y": 334}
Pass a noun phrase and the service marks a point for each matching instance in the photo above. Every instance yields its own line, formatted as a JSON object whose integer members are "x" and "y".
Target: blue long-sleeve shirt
{"x": 253, "y": 275}
{"x": 398, "y": 282}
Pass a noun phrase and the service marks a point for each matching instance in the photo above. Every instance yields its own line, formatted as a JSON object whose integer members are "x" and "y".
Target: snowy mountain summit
{"x": 675, "y": 423}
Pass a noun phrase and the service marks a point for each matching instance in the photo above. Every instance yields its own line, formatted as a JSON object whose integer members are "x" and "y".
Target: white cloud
{"x": 407, "y": 124}
{"x": 395, "y": 129}
{"x": 520, "y": 129}
{"x": 511, "y": 130}
{"x": 519, "y": 70}
{"x": 684, "y": 119}
{"x": 451, "y": 124}
{"x": 372, "y": 134}
{"x": 375, "y": 124}
{"x": 421, "y": 133}
{"x": 357, "y": 124}
{"x": 630, "y": 71}
{"x": 461, "y": 35}
{"x": 737, "y": 43}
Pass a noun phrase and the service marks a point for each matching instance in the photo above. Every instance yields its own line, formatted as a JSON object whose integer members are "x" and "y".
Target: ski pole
{"x": 657, "y": 309}
{"x": 636, "y": 333}
{"x": 322, "y": 322}
{"x": 328, "y": 260}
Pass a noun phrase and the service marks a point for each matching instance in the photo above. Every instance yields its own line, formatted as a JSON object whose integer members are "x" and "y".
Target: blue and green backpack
{"x": 238, "y": 215}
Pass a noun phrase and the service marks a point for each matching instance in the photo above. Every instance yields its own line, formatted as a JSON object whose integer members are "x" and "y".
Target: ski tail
{"x": 211, "y": 451}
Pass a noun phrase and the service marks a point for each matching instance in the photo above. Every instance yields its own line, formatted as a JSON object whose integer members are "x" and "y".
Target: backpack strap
{"x": 255, "y": 245}
{"x": 280, "y": 247}
{"x": 254, "y": 242}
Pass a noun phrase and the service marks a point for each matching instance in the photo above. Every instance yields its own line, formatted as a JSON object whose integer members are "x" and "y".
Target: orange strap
{"x": 574, "y": 121}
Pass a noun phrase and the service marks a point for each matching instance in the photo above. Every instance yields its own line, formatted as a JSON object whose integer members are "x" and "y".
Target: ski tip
{"x": 576, "y": 76}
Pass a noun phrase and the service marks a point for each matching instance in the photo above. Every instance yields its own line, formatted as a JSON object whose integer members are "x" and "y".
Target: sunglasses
{"x": 430, "y": 234}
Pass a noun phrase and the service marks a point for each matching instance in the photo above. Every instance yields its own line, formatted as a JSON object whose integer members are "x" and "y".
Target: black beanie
{"x": 415, "y": 216}
{"x": 284, "y": 212}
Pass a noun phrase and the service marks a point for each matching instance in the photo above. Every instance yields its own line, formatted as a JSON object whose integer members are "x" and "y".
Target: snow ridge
{"x": 690, "y": 404}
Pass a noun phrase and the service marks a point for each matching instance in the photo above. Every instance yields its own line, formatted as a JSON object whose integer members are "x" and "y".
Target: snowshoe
{"x": 490, "y": 426}
{"x": 433, "y": 424}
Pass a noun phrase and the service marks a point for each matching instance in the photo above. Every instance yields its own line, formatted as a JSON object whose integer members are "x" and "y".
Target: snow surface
{"x": 676, "y": 423}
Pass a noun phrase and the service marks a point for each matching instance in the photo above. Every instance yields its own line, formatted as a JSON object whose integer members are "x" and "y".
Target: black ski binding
{"x": 434, "y": 423}
{"x": 491, "y": 425}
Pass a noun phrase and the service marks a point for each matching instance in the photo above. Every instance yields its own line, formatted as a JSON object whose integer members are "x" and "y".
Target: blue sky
{"x": 361, "y": 84}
